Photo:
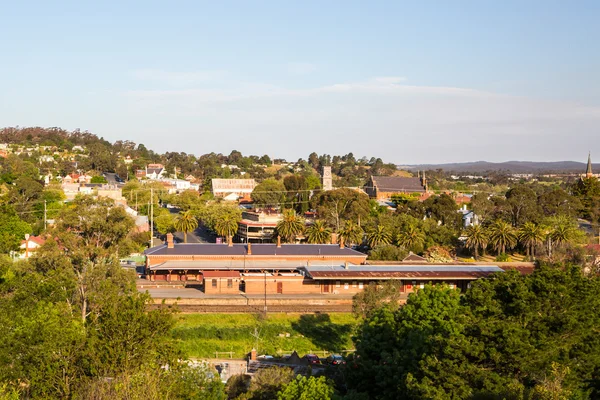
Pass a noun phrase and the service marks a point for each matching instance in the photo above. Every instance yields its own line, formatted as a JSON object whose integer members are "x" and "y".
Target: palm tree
{"x": 185, "y": 222}
{"x": 318, "y": 233}
{"x": 351, "y": 233}
{"x": 530, "y": 235}
{"x": 290, "y": 226}
{"x": 410, "y": 237}
{"x": 477, "y": 238}
{"x": 379, "y": 235}
{"x": 502, "y": 236}
{"x": 560, "y": 231}
{"x": 227, "y": 226}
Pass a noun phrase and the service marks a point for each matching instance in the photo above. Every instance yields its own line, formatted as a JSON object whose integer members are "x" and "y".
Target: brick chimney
{"x": 342, "y": 245}
{"x": 278, "y": 241}
{"x": 334, "y": 238}
{"x": 253, "y": 355}
{"x": 346, "y": 265}
{"x": 249, "y": 249}
{"x": 170, "y": 243}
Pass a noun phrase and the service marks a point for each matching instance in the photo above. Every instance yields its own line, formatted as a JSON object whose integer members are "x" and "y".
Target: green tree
{"x": 502, "y": 236}
{"x": 477, "y": 238}
{"x": 311, "y": 388}
{"x": 164, "y": 223}
{"x": 99, "y": 179}
{"x": 12, "y": 229}
{"x": 531, "y": 235}
{"x": 410, "y": 238}
{"x": 375, "y": 296}
{"x": 267, "y": 382}
{"x": 351, "y": 233}
{"x": 185, "y": 222}
{"x": 318, "y": 232}
{"x": 290, "y": 226}
{"x": 378, "y": 236}
{"x": 269, "y": 193}
{"x": 336, "y": 206}
{"x": 227, "y": 226}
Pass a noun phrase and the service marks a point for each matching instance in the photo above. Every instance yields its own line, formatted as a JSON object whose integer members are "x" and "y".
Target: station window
{"x": 360, "y": 285}
{"x": 214, "y": 283}
{"x": 229, "y": 283}
{"x": 337, "y": 284}
{"x": 346, "y": 286}
{"x": 353, "y": 283}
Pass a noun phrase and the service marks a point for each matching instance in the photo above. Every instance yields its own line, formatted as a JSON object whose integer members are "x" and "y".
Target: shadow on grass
{"x": 322, "y": 332}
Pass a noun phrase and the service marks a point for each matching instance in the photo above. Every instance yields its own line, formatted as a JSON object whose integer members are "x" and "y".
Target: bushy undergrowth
{"x": 201, "y": 335}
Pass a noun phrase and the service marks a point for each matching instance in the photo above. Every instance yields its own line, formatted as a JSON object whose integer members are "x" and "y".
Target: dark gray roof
{"x": 212, "y": 249}
{"x": 397, "y": 184}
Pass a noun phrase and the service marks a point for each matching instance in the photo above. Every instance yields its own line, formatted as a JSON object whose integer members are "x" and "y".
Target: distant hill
{"x": 515, "y": 167}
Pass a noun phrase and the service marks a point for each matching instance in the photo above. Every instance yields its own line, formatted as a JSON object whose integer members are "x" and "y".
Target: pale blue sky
{"x": 411, "y": 82}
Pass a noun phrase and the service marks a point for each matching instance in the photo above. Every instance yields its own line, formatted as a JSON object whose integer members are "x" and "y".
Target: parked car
{"x": 335, "y": 359}
{"x": 313, "y": 359}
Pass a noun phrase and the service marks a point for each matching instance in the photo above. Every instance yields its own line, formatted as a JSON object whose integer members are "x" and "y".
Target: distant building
{"x": 154, "y": 171}
{"x": 257, "y": 227}
{"x": 327, "y": 179}
{"x": 237, "y": 187}
{"x": 384, "y": 187}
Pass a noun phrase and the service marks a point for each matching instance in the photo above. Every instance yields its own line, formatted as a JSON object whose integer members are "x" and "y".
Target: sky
{"x": 410, "y": 82}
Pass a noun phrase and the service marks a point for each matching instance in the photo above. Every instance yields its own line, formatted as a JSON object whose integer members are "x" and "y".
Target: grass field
{"x": 201, "y": 335}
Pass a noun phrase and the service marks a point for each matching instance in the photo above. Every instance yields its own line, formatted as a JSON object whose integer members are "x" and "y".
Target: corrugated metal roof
{"x": 401, "y": 271}
{"x": 213, "y": 249}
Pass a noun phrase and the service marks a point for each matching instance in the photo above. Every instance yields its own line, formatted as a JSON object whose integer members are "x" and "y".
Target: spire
{"x": 588, "y": 171}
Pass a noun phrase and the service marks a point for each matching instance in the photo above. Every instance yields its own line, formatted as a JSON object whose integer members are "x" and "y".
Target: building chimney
{"x": 253, "y": 355}
{"x": 170, "y": 243}
{"x": 342, "y": 242}
{"x": 334, "y": 238}
{"x": 346, "y": 265}
{"x": 249, "y": 249}
{"x": 278, "y": 241}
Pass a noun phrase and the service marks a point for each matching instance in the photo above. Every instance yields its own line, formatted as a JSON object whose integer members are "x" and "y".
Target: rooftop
{"x": 212, "y": 249}
{"x": 397, "y": 184}
{"x": 401, "y": 271}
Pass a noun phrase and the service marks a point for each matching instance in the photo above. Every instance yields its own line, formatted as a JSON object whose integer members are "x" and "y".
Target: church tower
{"x": 588, "y": 171}
{"x": 326, "y": 179}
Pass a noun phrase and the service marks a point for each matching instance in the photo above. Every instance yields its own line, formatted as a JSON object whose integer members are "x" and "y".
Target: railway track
{"x": 224, "y": 309}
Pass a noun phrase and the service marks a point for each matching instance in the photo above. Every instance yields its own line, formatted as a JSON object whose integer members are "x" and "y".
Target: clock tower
{"x": 326, "y": 179}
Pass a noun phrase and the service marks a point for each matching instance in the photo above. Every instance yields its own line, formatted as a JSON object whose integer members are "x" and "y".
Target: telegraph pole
{"x": 45, "y": 216}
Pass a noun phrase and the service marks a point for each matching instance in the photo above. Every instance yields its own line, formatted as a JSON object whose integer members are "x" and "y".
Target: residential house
{"x": 30, "y": 245}
{"x": 155, "y": 171}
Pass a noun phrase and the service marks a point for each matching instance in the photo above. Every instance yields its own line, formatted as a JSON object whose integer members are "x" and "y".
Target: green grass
{"x": 201, "y": 335}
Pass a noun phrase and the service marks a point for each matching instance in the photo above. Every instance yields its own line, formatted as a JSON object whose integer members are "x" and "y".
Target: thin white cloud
{"x": 378, "y": 116}
{"x": 180, "y": 78}
{"x": 301, "y": 68}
